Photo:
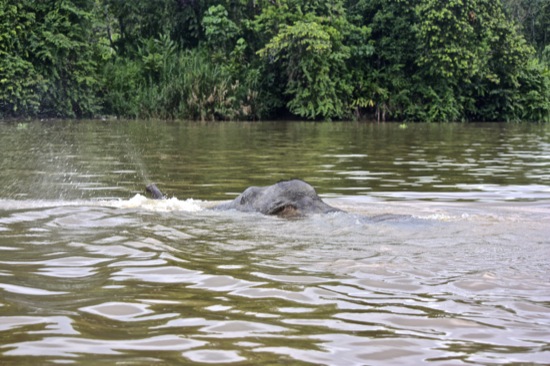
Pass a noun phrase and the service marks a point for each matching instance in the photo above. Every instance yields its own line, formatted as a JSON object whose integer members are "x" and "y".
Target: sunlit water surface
{"x": 442, "y": 257}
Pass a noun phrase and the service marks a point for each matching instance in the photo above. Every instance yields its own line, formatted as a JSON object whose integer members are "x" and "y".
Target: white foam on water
{"x": 137, "y": 201}
{"x": 166, "y": 205}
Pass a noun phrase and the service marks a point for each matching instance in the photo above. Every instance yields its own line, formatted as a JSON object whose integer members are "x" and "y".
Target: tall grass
{"x": 185, "y": 85}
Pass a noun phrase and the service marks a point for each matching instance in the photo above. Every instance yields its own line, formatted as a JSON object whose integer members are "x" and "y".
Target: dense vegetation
{"x": 417, "y": 60}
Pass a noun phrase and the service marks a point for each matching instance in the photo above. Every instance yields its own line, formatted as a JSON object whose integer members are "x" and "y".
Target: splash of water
{"x": 136, "y": 160}
{"x": 167, "y": 205}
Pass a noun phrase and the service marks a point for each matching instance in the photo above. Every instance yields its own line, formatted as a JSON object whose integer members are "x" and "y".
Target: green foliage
{"x": 525, "y": 98}
{"x": 219, "y": 30}
{"x": 313, "y": 57}
{"x": 155, "y": 54}
{"x": 545, "y": 57}
{"x": 446, "y": 61}
{"x": 66, "y": 59}
{"x": 123, "y": 81}
{"x": 189, "y": 86}
{"x": 134, "y": 21}
{"x": 533, "y": 18}
{"x": 49, "y": 64}
{"x": 20, "y": 84}
{"x": 199, "y": 90}
{"x": 453, "y": 38}
{"x": 385, "y": 74}
{"x": 421, "y": 60}
{"x": 534, "y": 93}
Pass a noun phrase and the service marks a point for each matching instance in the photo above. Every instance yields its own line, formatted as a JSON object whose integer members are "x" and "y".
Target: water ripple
{"x": 74, "y": 347}
{"x": 392, "y": 282}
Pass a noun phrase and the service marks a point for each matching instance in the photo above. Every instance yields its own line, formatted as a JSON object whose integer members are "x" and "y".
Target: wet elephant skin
{"x": 288, "y": 198}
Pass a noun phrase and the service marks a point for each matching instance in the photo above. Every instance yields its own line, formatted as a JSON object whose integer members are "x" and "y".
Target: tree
{"x": 51, "y": 64}
{"x": 446, "y": 61}
{"x": 533, "y": 16}
{"x": 21, "y": 86}
{"x": 385, "y": 66}
{"x": 309, "y": 47}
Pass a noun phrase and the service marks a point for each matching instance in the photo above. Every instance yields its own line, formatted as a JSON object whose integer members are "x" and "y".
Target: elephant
{"x": 287, "y": 198}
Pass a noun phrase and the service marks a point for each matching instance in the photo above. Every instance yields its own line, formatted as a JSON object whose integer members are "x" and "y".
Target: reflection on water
{"x": 453, "y": 270}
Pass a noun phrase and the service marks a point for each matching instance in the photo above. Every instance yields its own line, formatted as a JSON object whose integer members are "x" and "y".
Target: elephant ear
{"x": 249, "y": 195}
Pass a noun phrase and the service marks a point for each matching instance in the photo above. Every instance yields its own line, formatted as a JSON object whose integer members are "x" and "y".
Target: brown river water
{"x": 442, "y": 256}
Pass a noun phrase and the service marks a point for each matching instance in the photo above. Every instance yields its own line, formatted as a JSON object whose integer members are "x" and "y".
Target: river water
{"x": 443, "y": 255}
